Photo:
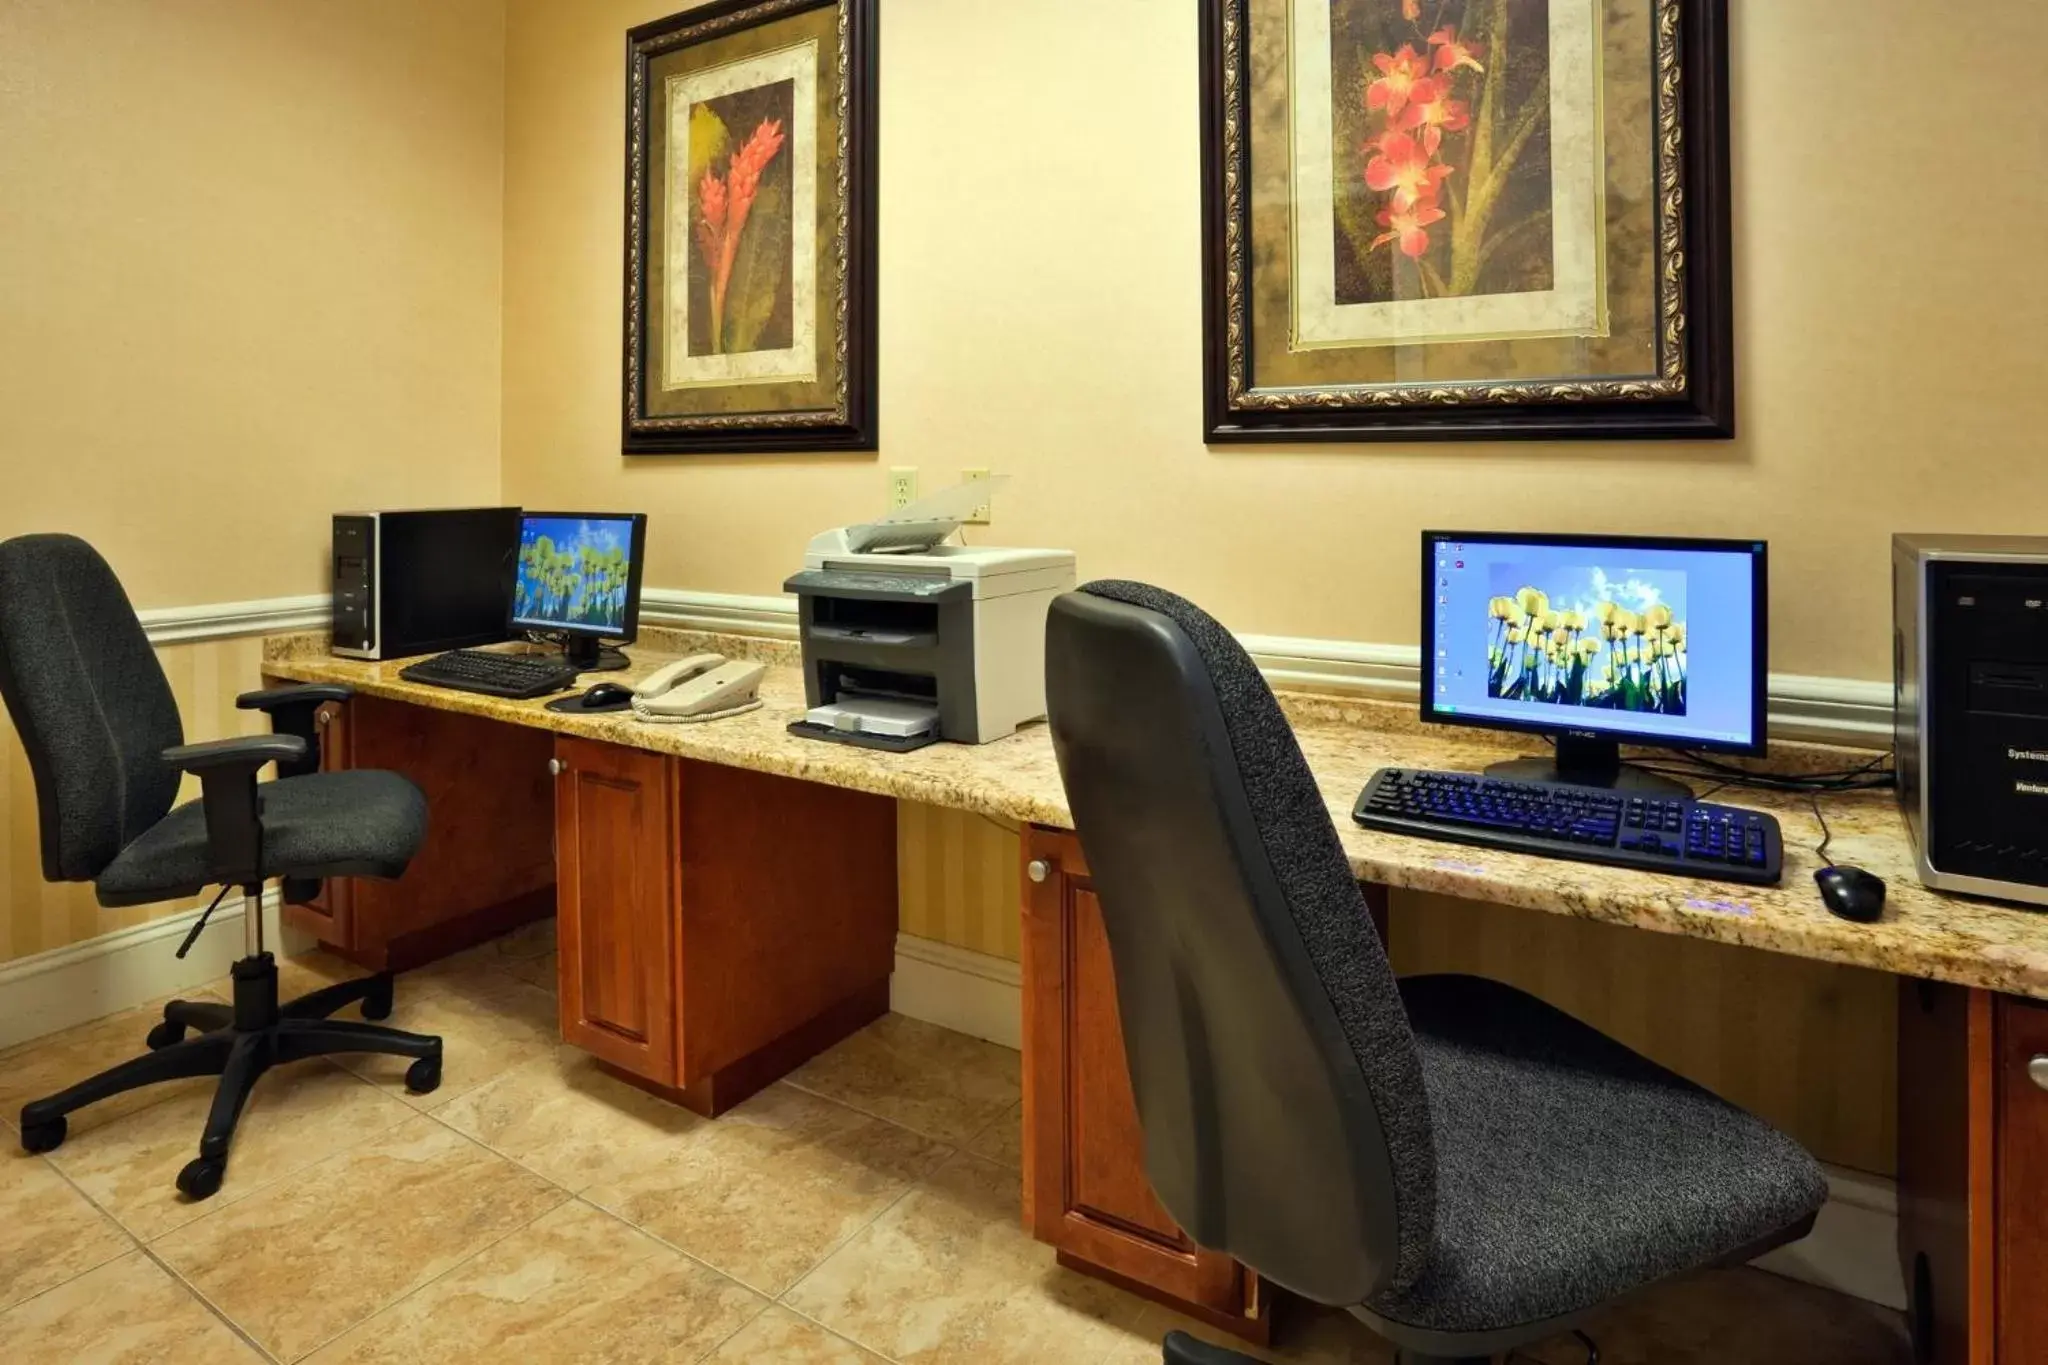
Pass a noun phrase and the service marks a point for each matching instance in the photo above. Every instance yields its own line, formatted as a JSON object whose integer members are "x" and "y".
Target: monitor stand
{"x": 1583, "y": 762}
{"x": 589, "y": 655}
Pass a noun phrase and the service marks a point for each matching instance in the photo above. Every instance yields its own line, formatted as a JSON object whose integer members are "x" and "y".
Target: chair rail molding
{"x": 1851, "y": 711}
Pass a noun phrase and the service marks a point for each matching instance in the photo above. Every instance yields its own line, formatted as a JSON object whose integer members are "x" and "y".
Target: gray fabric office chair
{"x": 1462, "y": 1166}
{"x": 106, "y": 748}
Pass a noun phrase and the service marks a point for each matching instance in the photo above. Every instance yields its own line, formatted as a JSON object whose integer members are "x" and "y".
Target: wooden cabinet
{"x": 1085, "y": 1189}
{"x": 486, "y": 865}
{"x": 2021, "y": 1183}
{"x": 1973, "y": 1174}
{"x": 717, "y": 927}
{"x": 616, "y": 905}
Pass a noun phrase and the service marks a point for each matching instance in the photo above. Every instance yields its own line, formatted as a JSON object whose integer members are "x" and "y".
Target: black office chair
{"x": 106, "y": 747}
{"x": 1461, "y": 1166}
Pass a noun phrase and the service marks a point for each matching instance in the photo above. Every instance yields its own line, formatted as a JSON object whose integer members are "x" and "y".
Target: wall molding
{"x": 80, "y": 982}
{"x": 225, "y": 620}
{"x": 959, "y": 989}
{"x": 1852, "y": 711}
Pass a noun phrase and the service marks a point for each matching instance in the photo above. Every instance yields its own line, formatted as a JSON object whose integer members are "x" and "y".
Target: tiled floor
{"x": 535, "y": 1210}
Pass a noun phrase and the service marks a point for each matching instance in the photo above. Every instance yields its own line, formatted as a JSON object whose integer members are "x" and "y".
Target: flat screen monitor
{"x": 579, "y": 578}
{"x": 1598, "y": 641}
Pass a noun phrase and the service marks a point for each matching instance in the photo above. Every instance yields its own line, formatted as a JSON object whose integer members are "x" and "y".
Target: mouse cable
{"x": 1827, "y": 836}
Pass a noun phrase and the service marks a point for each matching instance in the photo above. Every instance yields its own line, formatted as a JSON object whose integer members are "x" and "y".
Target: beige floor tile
{"x": 1306, "y": 1334}
{"x": 577, "y": 1285}
{"x": 488, "y": 1023}
{"x": 949, "y": 1276}
{"x": 534, "y": 971}
{"x": 929, "y": 1079}
{"x": 127, "y": 1312}
{"x": 299, "y": 1114}
{"x": 1002, "y": 1141}
{"x": 43, "y": 1066}
{"x": 308, "y": 972}
{"x": 566, "y": 1118}
{"x": 49, "y": 1232}
{"x": 781, "y": 1336}
{"x": 302, "y": 1260}
{"x": 766, "y": 1191}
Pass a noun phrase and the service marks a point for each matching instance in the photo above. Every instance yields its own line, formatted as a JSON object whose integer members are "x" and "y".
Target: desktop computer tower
{"x": 420, "y": 582}
{"x": 1970, "y": 689}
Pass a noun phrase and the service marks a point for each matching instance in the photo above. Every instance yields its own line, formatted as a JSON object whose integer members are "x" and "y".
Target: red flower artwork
{"x": 1405, "y": 168}
{"x": 1406, "y": 227}
{"x": 1398, "y": 76}
{"x": 723, "y": 206}
{"x": 1413, "y": 95}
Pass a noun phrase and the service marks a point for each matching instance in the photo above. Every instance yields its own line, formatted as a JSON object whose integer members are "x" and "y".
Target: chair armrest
{"x": 293, "y": 710}
{"x": 271, "y": 699}
{"x": 248, "y": 752}
{"x": 227, "y": 793}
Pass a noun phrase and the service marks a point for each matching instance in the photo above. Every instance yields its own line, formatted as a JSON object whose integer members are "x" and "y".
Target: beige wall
{"x": 249, "y": 274}
{"x": 1040, "y": 314}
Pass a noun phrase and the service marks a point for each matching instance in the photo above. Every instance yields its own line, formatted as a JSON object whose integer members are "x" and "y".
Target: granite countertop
{"x": 1923, "y": 932}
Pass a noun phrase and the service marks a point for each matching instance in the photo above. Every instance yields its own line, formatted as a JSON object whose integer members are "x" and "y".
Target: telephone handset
{"x": 701, "y": 687}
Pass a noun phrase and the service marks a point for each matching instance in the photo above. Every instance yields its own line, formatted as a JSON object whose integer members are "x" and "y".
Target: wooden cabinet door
{"x": 1085, "y": 1188}
{"x": 616, "y": 904}
{"x": 2022, "y": 1182}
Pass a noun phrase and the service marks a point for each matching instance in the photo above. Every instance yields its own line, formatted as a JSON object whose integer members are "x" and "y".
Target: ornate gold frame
{"x": 849, "y": 423}
{"x": 1686, "y": 155}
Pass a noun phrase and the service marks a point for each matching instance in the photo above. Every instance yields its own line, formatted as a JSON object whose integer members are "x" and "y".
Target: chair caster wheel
{"x": 46, "y": 1136}
{"x": 201, "y": 1176}
{"x": 168, "y": 1033}
{"x": 377, "y": 1004}
{"x": 423, "y": 1076}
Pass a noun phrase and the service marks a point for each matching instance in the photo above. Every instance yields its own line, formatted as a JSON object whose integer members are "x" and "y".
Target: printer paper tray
{"x": 895, "y": 744}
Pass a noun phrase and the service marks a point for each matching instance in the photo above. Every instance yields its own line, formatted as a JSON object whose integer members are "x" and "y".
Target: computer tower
{"x": 1970, "y": 686}
{"x": 419, "y": 582}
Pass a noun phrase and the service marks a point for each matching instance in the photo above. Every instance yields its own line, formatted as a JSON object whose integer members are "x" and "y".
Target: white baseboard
{"x": 964, "y": 991}
{"x": 85, "y": 981}
{"x": 1854, "y": 1246}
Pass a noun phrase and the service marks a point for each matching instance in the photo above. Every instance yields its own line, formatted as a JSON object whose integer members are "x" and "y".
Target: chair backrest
{"x": 1277, "y": 1082}
{"x": 87, "y": 694}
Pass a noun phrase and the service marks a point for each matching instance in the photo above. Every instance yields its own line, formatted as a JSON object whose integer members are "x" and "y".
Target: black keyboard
{"x": 1592, "y": 824}
{"x": 498, "y": 675}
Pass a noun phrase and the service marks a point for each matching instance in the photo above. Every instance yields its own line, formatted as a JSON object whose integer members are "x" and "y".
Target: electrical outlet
{"x": 979, "y": 516}
{"x": 902, "y": 486}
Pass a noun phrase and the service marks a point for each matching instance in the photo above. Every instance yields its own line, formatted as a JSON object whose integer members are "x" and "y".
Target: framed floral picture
{"x": 750, "y": 229}
{"x": 1460, "y": 219}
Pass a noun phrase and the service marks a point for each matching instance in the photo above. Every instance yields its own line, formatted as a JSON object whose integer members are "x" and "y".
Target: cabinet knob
{"x": 1038, "y": 869}
{"x": 321, "y": 717}
{"x": 2037, "y": 1070}
{"x": 555, "y": 767}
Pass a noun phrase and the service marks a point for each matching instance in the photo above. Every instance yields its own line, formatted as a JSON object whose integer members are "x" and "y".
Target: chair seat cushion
{"x": 365, "y": 824}
{"x": 1572, "y": 1170}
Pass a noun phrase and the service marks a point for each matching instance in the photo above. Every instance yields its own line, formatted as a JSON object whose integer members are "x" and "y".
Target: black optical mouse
{"x": 1851, "y": 893}
{"x": 607, "y": 696}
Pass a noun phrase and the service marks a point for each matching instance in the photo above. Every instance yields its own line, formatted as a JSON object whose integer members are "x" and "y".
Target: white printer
{"x": 908, "y": 640}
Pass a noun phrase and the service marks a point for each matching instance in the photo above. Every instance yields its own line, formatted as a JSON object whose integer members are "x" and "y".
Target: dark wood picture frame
{"x": 1691, "y": 397}
{"x": 848, "y": 422}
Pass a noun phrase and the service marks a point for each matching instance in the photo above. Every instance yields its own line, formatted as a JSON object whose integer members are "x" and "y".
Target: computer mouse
{"x": 1851, "y": 893}
{"x": 607, "y": 696}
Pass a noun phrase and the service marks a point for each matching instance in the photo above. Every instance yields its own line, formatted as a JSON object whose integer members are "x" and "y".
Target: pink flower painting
{"x": 1448, "y": 191}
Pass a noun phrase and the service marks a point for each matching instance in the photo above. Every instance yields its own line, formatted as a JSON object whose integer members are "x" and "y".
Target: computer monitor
{"x": 578, "y": 579}
{"x": 1597, "y": 641}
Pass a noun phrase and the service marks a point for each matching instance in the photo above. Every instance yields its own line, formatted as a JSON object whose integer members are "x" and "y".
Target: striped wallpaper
{"x": 37, "y": 916}
{"x": 957, "y": 879}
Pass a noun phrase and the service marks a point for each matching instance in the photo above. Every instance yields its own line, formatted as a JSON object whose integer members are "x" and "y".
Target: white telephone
{"x": 701, "y": 687}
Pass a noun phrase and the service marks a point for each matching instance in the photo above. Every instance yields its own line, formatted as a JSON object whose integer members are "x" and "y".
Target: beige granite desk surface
{"x": 1923, "y": 933}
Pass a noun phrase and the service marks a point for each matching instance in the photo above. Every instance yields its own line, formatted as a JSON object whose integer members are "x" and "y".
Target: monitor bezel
{"x": 1756, "y": 548}
{"x": 637, "y": 563}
